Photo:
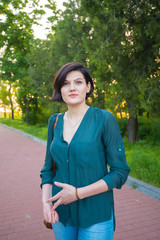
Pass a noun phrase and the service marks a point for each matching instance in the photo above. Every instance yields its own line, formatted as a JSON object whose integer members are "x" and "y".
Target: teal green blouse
{"x": 96, "y": 144}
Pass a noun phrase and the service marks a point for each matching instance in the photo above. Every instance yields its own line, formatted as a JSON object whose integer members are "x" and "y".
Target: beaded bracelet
{"x": 77, "y": 194}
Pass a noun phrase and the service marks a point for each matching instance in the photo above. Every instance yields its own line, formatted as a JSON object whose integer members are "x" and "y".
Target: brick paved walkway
{"x": 21, "y": 159}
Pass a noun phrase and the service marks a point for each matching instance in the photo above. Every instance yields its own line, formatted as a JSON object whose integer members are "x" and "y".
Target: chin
{"x": 74, "y": 103}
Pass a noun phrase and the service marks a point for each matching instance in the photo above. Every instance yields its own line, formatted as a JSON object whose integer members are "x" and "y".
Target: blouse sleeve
{"x": 47, "y": 172}
{"x": 115, "y": 153}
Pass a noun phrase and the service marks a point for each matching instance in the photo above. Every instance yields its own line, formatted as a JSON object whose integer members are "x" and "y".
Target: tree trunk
{"x": 12, "y": 108}
{"x": 36, "y": 111}
{"x": 132, "y": 129}
{"x": 5, "y": 114}
{"x": 132, "y": 126}
{"x": 26, "y": 109}
{"x": 27, "y": 115}
{"x": 11, "y": 102}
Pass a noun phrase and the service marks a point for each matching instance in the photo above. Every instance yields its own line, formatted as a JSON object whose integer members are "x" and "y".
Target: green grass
{"x": 38, "y": 130}
{"x": 143, "y": 157}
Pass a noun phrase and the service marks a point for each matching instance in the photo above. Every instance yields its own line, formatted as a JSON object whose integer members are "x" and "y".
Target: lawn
{"x": 143, "y": 157}
{"x": 38, "y": 130}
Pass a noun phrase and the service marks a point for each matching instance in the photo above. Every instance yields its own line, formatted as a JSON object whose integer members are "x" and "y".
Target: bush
{"x": 155, "y": 132}
{"x": 122, "y": 122}
{"x": 144, "y": 126}
{"x": 149, "y": 129}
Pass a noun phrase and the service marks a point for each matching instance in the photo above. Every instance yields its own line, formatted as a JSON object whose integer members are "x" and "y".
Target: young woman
{"x": 78, "y": 198}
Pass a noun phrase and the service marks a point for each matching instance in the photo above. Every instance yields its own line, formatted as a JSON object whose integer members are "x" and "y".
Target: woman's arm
{"x": 115, "y": 153}
{"x": 92, "y": 189}
{"x": 46, "y": 192}
{"x": 47, "y": 175}
{"x": 47, "y": 172}
{"x": 68, "y": 192}
{"x": 49, "y": 215}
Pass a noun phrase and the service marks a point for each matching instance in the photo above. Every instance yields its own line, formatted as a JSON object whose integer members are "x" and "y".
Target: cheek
{"x": 63, "y": 94}
{"x": 63, "y": 91}
{"x": 85, "y": 90}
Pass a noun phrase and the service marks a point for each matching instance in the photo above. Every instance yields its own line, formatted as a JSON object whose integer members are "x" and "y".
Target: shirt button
{"x": 67, "y": 160}
{"x": 120, "y": 149}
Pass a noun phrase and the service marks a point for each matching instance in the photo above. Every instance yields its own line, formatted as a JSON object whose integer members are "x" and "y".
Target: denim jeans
{"x": 99, "y": 231}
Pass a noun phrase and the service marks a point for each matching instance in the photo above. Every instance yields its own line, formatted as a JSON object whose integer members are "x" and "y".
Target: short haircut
{"x": 60, "y": 78}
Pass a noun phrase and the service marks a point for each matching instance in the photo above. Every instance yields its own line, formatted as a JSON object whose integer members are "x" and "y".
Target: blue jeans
{"x": 99, "y": 231}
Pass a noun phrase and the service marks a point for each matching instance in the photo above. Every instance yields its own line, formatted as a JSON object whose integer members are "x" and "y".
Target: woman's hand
{"x": 65, "y": 196}
{"x": 50, "y": 215}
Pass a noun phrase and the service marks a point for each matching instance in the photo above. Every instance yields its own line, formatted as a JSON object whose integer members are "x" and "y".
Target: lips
{"x": 73, "y": 95}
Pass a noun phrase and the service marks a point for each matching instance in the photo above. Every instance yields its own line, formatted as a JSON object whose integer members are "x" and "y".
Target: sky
{"x": 40, "y": 31}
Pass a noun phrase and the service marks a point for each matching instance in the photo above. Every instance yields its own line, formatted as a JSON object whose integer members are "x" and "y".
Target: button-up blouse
{"x": 95, "y": 152}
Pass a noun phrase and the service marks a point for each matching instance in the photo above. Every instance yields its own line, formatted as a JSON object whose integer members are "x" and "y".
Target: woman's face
{"x": 75, "y": 88}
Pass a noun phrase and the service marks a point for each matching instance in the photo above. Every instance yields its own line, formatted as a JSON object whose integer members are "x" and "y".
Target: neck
{"x": 76, "y": 111}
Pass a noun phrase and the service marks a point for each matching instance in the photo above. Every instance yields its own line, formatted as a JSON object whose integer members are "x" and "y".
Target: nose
{"x": 72, "y": 86}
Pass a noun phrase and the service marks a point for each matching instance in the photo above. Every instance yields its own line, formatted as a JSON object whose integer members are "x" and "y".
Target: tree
{"x": 16, "y": 36}
{"x": 124, "y": 46}
{"x": 36, "y": 87}
{"x": 4, "y": 96}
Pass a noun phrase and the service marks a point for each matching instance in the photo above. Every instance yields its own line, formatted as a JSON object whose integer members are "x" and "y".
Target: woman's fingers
{"x": 53, "y": 198}
{"x": 47, "y": 214}
{"x": 65, "y": 196}
{"x": 56, "y": 204}
{"x": 62, "y": 185}
{"x": 59, "y": 184}
{"x": 55, "y": 217}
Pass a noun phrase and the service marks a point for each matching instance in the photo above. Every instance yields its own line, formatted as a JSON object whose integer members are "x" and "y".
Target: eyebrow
{"x": 75, "y": 79}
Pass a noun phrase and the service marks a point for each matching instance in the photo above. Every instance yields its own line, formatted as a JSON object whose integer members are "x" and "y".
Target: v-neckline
{"x": 68, "y": 143}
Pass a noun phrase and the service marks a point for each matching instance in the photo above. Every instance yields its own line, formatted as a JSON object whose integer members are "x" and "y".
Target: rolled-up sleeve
{"x": 115, "y": 153}
{"x": 47, "y": 172}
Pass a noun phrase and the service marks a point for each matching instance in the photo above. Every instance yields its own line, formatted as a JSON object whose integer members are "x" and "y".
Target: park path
{"x": 21, "y": 158}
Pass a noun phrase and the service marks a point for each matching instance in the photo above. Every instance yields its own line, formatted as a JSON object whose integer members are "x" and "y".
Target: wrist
{"x": 77, "y": 194}
{"x": 81, "y": 193}
{"x": 46, "y": 203}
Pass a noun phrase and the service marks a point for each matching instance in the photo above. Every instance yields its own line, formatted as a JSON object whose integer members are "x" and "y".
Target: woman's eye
{"x": 65, "y": 83}
{"x": 79, "y": 82}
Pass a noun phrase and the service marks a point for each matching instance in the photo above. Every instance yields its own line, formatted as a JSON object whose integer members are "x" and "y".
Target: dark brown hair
{"x": 60, "y": 77}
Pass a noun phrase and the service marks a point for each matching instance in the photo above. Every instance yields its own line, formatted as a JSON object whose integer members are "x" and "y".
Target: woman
{"x": 86, "y": 139}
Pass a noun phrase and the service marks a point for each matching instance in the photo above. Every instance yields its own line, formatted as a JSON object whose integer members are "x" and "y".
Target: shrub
{"x": 149, "y": 129}
{"x": 122, "y": 122}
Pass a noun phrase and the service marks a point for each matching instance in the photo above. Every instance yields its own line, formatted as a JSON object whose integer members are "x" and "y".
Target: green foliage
{"x": 155, "y": 132}
{"x": 149, "y": 129}
{"x": 144, "y": 161}
{"x": 123, "y": 47}
{"x": 16, "y": 38}
{"x": 114, "y": 39}
{"x": 4, "y": 94}
{"x": 145, "y": 126}
{"x": 39, "y": 130}
{"x": 122, "y": 122}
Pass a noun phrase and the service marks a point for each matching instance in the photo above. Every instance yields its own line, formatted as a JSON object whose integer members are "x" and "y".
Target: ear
{"x": 88, "y": 87}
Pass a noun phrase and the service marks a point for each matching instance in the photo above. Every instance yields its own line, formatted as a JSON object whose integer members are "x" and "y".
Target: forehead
{"x": 74, "y": 75}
